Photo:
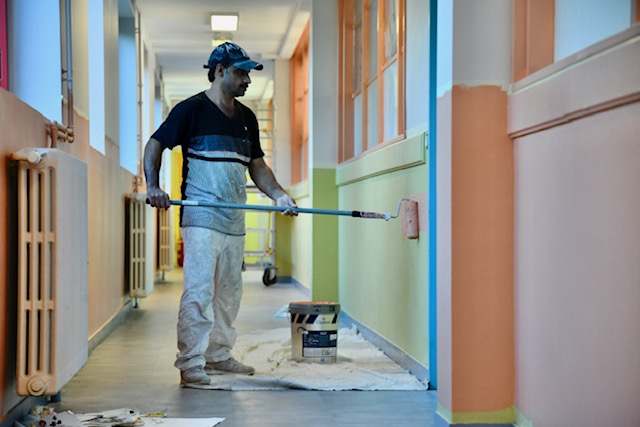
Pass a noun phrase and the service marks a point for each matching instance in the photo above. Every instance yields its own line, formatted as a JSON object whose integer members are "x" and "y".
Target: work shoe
{"x": 230, "y": 365}
{"x": 195, "y": 375}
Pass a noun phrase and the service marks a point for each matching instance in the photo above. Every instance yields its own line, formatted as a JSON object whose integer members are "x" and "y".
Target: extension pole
{"x": 355, "y": 214}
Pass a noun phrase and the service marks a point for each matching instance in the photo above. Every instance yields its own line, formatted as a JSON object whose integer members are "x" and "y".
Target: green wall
{"x": 383, "y": 276}
{"x": 379, "y": 277}
{"x": 324, "y": 229}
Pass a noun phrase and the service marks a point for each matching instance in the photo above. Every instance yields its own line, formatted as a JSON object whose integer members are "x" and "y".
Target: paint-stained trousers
{"x": 211, "y": 296}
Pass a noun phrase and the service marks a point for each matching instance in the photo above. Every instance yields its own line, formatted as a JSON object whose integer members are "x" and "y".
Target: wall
{"x": 300, "y": 237}
{"x": 475, "y": 214}
{"x": 383, "y": 276}
{"x": 21, "y": 126}
{"x": 24, "y": 126}
{"x": 577, "y": 238}
{"x": 323, "y": 147}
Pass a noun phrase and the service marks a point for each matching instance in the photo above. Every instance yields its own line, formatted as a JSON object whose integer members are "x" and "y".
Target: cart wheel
{"x": 269, "y": 277}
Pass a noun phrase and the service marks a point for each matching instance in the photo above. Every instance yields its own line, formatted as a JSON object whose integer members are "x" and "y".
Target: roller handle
{"x": 354, "y": 214}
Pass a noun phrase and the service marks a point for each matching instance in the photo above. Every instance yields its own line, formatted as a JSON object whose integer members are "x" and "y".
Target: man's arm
{"x": 152, "y": 162}
{"x": 264, "y": 179}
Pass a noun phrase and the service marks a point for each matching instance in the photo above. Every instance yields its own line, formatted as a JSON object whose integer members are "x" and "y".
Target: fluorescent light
{"x": 224, "y": 22}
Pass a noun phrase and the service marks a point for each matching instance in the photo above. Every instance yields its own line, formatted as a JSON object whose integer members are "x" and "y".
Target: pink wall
{"x": 577, "y": 228}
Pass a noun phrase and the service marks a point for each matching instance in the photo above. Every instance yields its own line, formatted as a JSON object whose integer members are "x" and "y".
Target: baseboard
{"x": 441, "y": 422}
{"x": 391, "y": 350}
{"x": 292, "y": 281}
{"x": 110, "y": 326}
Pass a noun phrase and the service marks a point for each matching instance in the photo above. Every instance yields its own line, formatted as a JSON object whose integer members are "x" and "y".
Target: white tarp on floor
{"x": 360, "y": 366}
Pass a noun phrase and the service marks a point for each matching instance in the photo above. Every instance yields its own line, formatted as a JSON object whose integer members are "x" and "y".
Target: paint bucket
{"x": 314, "y": 331}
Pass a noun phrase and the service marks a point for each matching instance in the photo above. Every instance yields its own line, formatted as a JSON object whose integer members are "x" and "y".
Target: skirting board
{"x": 392, "y": 351}
{"x": 110, "y": 326}
{"x": 441, "y": 422}
{"x": 291, "y": 281}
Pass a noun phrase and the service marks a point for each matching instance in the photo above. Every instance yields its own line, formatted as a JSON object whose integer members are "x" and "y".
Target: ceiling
{"x": 179, "y": 33}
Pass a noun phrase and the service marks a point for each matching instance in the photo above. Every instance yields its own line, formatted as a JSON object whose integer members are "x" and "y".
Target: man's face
{"x": 235, "y": 81}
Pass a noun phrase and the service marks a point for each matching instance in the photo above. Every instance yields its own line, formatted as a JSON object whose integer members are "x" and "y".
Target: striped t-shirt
{"x": 216, "y": 153}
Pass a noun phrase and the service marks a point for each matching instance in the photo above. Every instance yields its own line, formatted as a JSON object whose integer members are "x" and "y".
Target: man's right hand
{"x": 158, "y": 198}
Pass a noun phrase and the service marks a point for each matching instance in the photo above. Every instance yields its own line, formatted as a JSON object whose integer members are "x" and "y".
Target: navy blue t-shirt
{"x": 216, "y": 152}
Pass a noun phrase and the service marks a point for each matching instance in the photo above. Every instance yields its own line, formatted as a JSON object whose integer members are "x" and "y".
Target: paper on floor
{"x": 122, "y": 417}
{"x": 182, "y": 422}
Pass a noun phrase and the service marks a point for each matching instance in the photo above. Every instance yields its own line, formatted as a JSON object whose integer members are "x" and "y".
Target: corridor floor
{"x": 133, "y": 368}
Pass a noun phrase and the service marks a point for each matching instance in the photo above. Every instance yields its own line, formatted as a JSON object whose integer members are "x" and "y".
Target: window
{"x": 546, "y": 31}
{"x": 372, "y": 74}
{"x": 581, "y": 23}
{"x": 300, "y": 110}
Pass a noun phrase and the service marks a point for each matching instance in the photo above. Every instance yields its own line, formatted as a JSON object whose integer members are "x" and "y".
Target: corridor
{"x": 133, "y": 368}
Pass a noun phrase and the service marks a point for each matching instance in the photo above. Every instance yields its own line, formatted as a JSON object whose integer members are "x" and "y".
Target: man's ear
{"x": 219, "y": 69}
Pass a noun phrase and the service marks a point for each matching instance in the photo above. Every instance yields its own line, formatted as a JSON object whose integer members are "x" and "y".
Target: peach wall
{"x": 482, "y": 251}
{"x": 475, "y": 256}
{"x": 21, "y": 125}
{"x": 108, "y": 183}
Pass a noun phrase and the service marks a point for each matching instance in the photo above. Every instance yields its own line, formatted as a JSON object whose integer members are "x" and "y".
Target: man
{"x": 220, "y": 141}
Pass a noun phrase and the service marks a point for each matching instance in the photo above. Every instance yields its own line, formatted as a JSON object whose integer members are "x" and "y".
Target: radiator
{"x": 164, "y": 240}
{"x": 52, "y": 336}
{"x": 140, "y": 246}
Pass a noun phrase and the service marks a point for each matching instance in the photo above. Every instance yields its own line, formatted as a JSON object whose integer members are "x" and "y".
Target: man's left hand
{"x": 286, "y": 201}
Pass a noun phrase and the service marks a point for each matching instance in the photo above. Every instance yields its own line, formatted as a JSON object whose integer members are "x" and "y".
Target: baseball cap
{"x": 229, "y": 54}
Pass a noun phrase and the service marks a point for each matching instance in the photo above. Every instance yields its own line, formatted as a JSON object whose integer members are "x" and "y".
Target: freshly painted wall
{"x": 300, "y": 228}
{"x": 383, "y": 275}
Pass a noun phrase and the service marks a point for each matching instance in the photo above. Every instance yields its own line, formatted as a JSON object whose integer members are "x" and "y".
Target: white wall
{"x": 480, "y": 45}
{"x": 282, "y": 122}
{"x": 80, "y": 55}
{"x": 112, "y": 92}
{"x": 323, "y": 96}
{"x": 96, "y": 71}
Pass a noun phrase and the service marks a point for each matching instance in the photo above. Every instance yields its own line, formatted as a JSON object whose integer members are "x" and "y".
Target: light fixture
{"x": 224, "y": 22}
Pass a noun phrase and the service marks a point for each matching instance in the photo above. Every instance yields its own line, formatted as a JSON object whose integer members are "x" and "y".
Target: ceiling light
{"x": 224, "y": 22}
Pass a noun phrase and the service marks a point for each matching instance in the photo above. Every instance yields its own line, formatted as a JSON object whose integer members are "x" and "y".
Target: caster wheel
{"x": 269, "y": 277}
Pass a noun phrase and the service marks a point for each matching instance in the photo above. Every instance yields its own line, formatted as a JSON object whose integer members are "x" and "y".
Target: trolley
{"x": 260, "y": 240}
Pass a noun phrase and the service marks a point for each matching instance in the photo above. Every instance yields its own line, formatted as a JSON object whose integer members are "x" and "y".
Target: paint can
{"x": 314, "y": 331}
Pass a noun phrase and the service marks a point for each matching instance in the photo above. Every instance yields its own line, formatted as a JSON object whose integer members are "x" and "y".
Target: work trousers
{"x": 211, "y": 296}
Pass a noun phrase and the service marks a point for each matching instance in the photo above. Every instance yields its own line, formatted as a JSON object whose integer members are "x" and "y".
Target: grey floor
{"x": 133, "y": 368}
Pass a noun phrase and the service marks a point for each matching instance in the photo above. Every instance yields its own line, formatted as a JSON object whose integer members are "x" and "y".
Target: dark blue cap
{"x": 229, "y": 54}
